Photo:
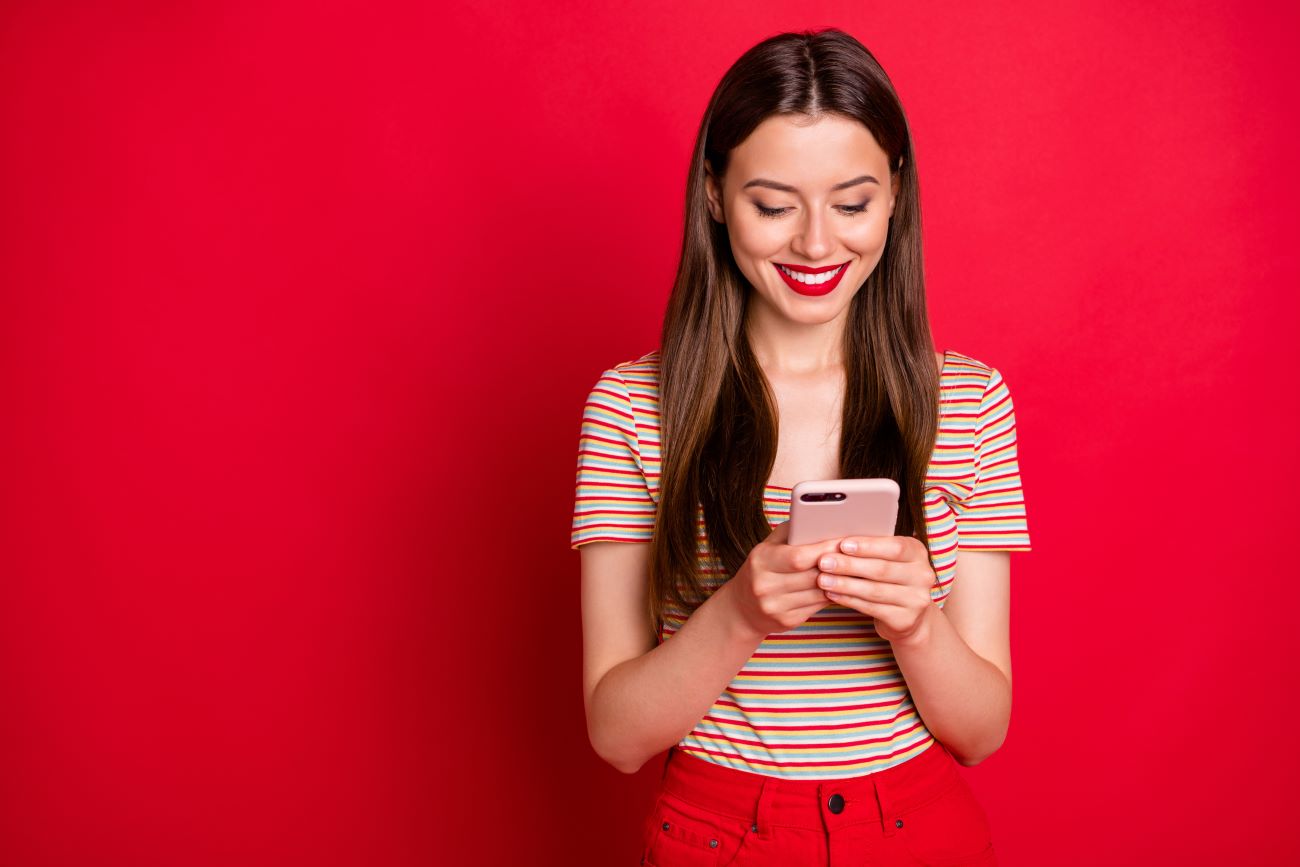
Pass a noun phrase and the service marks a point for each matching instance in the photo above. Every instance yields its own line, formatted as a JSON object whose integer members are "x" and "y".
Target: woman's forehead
{"x": 810, "y": 156}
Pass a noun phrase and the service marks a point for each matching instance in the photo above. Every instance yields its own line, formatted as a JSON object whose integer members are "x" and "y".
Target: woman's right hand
{"x": 776, "y": 588}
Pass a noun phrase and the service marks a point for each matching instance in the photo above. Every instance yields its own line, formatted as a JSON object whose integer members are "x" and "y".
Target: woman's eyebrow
{"x": 786, "y": 188}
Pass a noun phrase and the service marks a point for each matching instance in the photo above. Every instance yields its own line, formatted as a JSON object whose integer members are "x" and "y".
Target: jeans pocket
{"x": 686, "y": 834}
{"x": 949, "y": 831}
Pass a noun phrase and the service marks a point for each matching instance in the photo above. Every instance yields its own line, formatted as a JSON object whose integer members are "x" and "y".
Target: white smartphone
{"x": 835, "y": 508}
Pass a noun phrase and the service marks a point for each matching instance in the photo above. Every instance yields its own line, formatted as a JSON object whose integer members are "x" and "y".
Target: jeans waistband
{"x": 812, "y": 804}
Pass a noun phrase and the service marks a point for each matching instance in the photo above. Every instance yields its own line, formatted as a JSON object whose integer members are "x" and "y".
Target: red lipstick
{"x": 811, "y": 289}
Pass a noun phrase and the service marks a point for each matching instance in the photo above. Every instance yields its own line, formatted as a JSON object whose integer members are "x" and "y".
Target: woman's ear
{"x": 893, "y": 185}
{"x": 713, "y": 193}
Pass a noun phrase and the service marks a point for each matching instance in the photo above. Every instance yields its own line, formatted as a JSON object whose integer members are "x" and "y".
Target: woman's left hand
{"x": 886, "y": 577}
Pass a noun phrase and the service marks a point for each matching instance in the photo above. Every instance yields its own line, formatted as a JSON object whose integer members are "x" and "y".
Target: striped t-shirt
{"x": 826, "y": 699}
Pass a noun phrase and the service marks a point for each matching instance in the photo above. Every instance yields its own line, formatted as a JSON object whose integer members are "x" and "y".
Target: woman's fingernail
{"x": 826, "y": 581}
{"x": 828, "y": 562}
{"x": 849, "y": 546}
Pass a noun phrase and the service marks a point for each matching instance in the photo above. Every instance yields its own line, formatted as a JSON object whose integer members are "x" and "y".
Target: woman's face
{"x": 807, "y": 196}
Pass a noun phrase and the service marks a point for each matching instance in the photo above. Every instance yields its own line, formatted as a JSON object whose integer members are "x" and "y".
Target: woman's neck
{"x": 787, "y": 348}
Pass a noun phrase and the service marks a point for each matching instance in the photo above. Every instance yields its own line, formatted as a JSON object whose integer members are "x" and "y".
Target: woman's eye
{"x": 844, "y": 209}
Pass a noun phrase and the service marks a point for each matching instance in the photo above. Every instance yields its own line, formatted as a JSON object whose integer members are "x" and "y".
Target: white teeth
{"x": 812, "y": 279}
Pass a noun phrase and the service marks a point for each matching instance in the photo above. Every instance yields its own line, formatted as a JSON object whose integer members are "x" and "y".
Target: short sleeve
{"x": 612, "y": 501}
{"x": 992, "y": 517}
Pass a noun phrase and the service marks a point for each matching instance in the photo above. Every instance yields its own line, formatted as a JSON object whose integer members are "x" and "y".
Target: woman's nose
{"x": 814, "y": 242}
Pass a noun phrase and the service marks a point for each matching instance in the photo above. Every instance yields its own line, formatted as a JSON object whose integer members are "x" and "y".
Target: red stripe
{"x": 722, "y": 736}
{"x": 722, "y": 702}
{"x": 797, "y": 655}
{"x": 587, "y": 539}
{"x": 859, "y": 636}
{"x": 609, "y": 525}
{"x": 778, "y": 729}
{"x": 875, "y": 669}
{"x": 818, "y": 689}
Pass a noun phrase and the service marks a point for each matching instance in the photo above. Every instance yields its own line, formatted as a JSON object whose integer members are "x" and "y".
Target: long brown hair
{"x": 718, "y": 424}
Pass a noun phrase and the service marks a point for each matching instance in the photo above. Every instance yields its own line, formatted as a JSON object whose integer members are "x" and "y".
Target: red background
{"x": 300, "y": 305}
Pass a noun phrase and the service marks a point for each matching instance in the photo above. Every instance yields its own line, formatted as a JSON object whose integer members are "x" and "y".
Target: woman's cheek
{"x": 757, "y": 239}
{"x": 873, "y": 236}
{"x": 754, "y": 246}
{"x": 871, "y": 244}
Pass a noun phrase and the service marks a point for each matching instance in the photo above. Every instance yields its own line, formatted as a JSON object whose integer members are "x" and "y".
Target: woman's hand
{"x": 776, "y": 588}
{"x": 885, "y": 577}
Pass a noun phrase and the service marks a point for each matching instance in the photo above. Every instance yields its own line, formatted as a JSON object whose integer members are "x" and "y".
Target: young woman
{"x": 814, "y": 699}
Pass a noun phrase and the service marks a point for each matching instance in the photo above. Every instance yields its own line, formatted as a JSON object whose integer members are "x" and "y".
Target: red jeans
{"x": 921, "y": 812}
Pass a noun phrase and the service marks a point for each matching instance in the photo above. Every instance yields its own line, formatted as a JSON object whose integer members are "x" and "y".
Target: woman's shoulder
{"x": 634, "y": 381}
{"x": 646, "y": 365}
{"x": 958, "y": 366}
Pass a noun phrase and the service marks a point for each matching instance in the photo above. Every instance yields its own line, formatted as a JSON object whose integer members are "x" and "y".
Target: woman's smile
{"x": 811, "y": 281}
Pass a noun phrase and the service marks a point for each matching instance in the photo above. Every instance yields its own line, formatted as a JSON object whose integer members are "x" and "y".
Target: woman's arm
{"x": 957, "y": 663}
{"x": 641, "y": 698}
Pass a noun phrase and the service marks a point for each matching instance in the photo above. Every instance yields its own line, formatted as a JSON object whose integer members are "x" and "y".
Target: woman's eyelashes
{"x": 850, "y": 210}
